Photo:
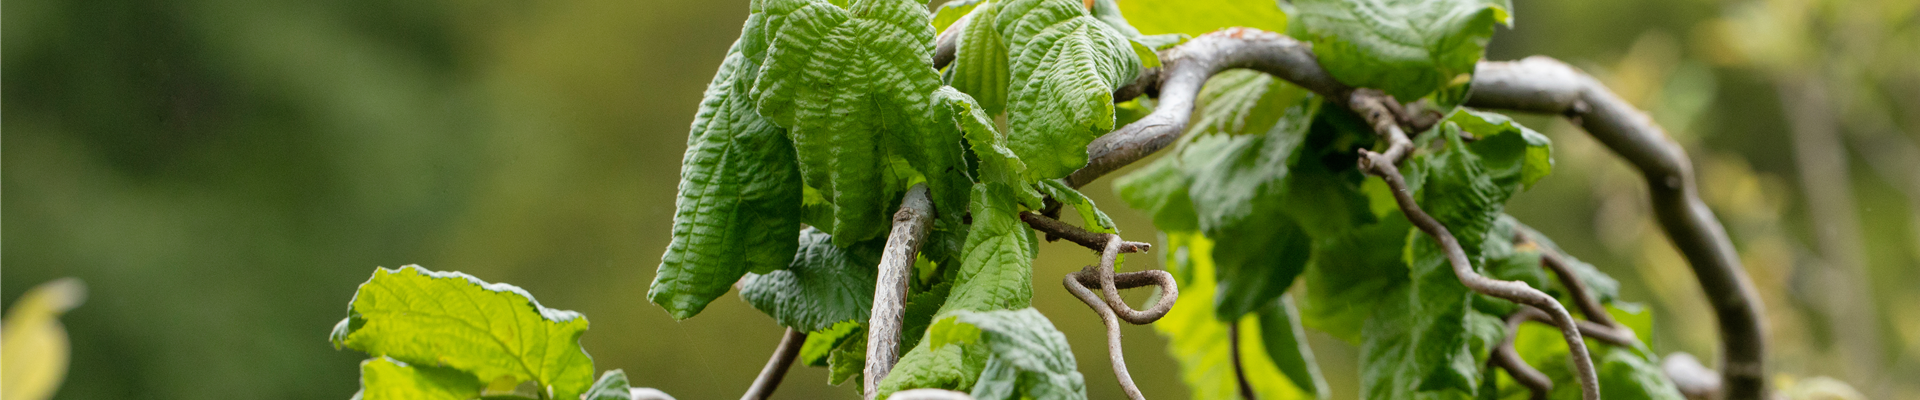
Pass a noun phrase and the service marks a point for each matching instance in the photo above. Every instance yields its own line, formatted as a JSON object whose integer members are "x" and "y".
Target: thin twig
{"x": 1544, "y": 85}
{"x": 1109, "y": 264}
{"x": 1078, "y": 282}
{"x": 1582, "y": 296}
{"x": 1091, "y": 240}
{"x": 776, "y": 368}
{"x": 1507, "y": 358}
{"x": 1239, "y": 368}
{"x": 896, "y": 263}
{"x": 1379, "y": 165}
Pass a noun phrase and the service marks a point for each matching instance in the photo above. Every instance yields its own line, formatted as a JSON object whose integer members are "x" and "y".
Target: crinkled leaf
{"x": 1502, "y": 259}
{"x": 825, "y": 284}
{"x": 919, "y": 311}
{"x": 1447, "y": 340}
{"x": 1514, "y": 155}
{"x": 853, "y": 87}
{"x": 1408, "y": 48}
{"x": 383, "y": 378}
{"x": 1030, "y": 359}
{"x": 980, "y": 60}
{"x": 493, "y": 331}
{"x": 740, "y": 198}
{"x": 1242, "y": 101}
{"x": 997, "y": 163}
{"x": 848, "y": 359}
{"x": 996, "y": 273}
{"x": 1393, "y": 356}
{"x": 1198, "y": 341}
{"x": 1196, "y": 17}
{"x": 1090, "y": 217}
{"x": 1352, "y": 274}
{"x": 1286, "y": 343}
{"x": 1064, "y": 65}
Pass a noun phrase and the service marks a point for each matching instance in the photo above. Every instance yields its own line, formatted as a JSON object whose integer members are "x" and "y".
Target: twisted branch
{"x": 776, "y": 368}
{"x": 1103, "y": 276}
{"x": 1379, "y": 165}
{"x": 890, "y": 292}
{"x": 1091, "y": 240}
{"x": 1505, "y": 357}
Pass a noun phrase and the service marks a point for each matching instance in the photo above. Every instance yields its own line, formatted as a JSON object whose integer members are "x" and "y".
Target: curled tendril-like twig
{"x": 1104, "y": 277}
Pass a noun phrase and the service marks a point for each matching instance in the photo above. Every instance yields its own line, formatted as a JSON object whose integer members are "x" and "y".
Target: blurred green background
{"x": 223, "y": 173}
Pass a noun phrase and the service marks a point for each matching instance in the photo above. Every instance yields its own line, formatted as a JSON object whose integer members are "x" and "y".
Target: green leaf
{"x": 824, "y": 285}
{"x": 1502, "y": 259}
{"x": 1408, "y": 48}
{"x": 448, "y": 319}
{"x": 1064, "y": 66}
{"x": 848, "y": 359}
{"x": 1286, "y": 343}
{"x": 1395, "y": 357}
{"x": 951, "y": 12}
{"x": 1515, "y": 155}
{"x": 980, "y": 60}
{"x": 919, "y": 311}
{"x": 1238, "y": 187}
{"x": 996, "y": 273}
{"x": 819, "y": 343}
{"x": 1090, "y": 217}
{"x": 611, "y": 386}
{"x": 1447, "y": 339}
{"x": 997, "y": 163}
{"x": 1352, "y": 275}
{"x": 384, "y": 378}
{"x": 1030, "y": 359}
{"x": 1454, "y": 186}
{"x": 852, "y": 87}
{"x": 1242, "y": 101}
{"x": 1198, "y": 341}
{"x": 1625, "y": 373}
{"x": 1603, "y": 287}
{"x": 1160, "y": 189}
{"x": 1201, "y": 16}
{"x": 740, "y": 197}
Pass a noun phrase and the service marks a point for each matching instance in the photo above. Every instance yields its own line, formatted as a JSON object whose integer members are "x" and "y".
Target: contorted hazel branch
{"x": 776, "y": 368}
{"x": 889, "y": 295}
{"x": 1379, "y": 165}
{"x": 1103, "y": 276}
{"x": 1536, "y": 84}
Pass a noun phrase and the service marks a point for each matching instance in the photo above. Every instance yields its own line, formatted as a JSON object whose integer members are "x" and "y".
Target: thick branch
{"x": 1518, "y": 292}
{"x": 889, "y": 295}
{"x": 1184, "y": 69}
{"x": 1544, "y": 85}
{"x": 776, "y": 368}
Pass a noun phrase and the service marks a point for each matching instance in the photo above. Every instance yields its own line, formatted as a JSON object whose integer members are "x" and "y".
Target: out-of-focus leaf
{"x": 951, "y": 12}
{"x": 1286, "y": 344}
{"x": 34, "y": 347}
{"x": 493, "y": 331}
{"x": 1238, "y": 189}
{"x": 1030, "y": 359}
{"x": 1160, "y": 189}
{"x": 1353, "y": 275}
{"x": 1408, "y": 48}
{"x": 611, "y": 386}
{"x": 383, "y": 378}
{"x": 1198, "y": 341}
{"x": 819, "y": 343}
{"x": 1194, "y": 18}
{"x": 825, "y": 285}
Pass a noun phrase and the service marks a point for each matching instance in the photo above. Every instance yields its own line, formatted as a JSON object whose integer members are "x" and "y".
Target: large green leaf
{"x": 1286, "y": 344}
{"x": 740, "y": 198}
{"x": 494, "y": 331}
{"x": 853, "y": 86}
{"x": 1196, "y": 17}
{"x": 1402, "y": 358}
{"x": 825, "y": 285}
{"x": 980, "y": 60}
{"x": 1030, "y": 359}
{"x": 1352, "y": 275}
{"x": 1160, "y": 189}
{"x": 1238, "y": 189}
{"x": 996, "y": 273}
{"x": 383, "y": 378}
{"x": 1198, "y": 341}
{"x": 1408, "y": 48}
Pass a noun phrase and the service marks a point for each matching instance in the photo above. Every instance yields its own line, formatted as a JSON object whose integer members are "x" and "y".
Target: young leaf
{"x": 1030, "y": 359}
{"x": 852, "y": 87}
{"x": 1198, "y": 341}
{"x": 1199, "y": 17}
{"x": 821, "y": 342}
{"x": 384, "y": 378}
{"x": 1408, "y": 48}
{"x": 493, "y": 331}
{"x": 824, "y": 285}
{"x": 740, "y": 195}
{"x": 980, "y": 60}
